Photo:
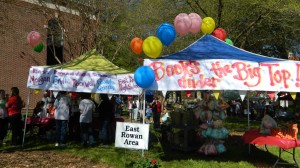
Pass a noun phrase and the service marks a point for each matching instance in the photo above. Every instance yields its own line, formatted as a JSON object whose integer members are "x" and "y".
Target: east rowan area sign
{"x": 132, "y": 135}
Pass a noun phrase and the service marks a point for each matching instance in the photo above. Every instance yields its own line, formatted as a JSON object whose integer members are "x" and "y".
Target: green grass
{"x": 236, "y": 155}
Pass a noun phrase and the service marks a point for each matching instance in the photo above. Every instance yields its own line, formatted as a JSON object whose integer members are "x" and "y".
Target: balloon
{"x": 166, "y": 33}
{"x": 35, "y": 91}
{"x": 228, "y": 41}
{"x": 182, "y": 24}
{"x": 220, "y": 34}
{"x": 136, "y": 45}
{"x": 152, "y": 46}
{"x": 34, "y": 38}
{"x": 144, "y": 76}
{"x": 39, "y": 48}
{"x": 196, "y": 22}
{"x": 208, "y": 25}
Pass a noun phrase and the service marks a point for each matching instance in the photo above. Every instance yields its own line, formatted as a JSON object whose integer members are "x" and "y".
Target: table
{"x": 255, "y": 138}
{"x": 45, "y": 122}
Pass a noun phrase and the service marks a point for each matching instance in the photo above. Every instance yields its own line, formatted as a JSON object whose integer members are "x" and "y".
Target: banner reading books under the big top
{"x": 82, "y": 81}
{"x": 225, "y": 74}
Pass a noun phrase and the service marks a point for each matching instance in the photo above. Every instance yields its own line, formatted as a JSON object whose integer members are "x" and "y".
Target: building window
{"x": 55, "y": 42}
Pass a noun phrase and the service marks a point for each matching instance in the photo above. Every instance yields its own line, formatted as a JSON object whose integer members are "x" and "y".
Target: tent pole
{"x": 248, "y": 113}
{"x": 248, "y": 116}
{"x": 143, "y": 114}
{"x": 27, "y": 106}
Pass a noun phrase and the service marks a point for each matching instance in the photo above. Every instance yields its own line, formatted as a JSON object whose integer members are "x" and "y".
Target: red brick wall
{"x": 17, "y": 19}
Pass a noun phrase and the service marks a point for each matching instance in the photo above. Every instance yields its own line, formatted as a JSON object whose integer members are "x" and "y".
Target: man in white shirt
{"x": 61, "y": 115}
{"x": 86, "y": 107}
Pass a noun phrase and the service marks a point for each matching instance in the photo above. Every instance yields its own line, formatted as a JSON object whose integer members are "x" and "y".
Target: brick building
{"x": 17, "y": 19}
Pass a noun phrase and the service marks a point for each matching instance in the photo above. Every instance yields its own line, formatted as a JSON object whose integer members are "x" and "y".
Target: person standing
{"x": 130, "y": 110}
{"x": 154, "y": 112}
{"x": 46, "y": 99}
{"x": 14, "y": 107}
{"x": 62, "y": 106}
{"x": 135, "y": 107}
{"x": 106, "y": 116}
{"x": 148, "y": 114}
{"x": 74, "y": 126}
{"x": 3, "y": 117}
{"x": 86, "y": 107}
{"x": 158, "y": 106}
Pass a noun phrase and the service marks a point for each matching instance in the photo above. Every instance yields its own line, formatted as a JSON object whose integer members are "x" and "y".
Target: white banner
{"x": 224, "y": 74}
{"x": 82, "y": 81}
{"x": 132, "y": 135}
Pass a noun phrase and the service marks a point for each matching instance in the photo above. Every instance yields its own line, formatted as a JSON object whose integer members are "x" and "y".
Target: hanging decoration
{"x": 182, "y": 24}
{"x": 166, "y": 33}
{"x": 196, "y": 23}
{"x": 293, "y": 94}
{"x": 144, "y": 77}
{"x": 152, "y": 47}
{"x": 208, "y": 25}
{"x": 136, "y": 45}
{"x": 34, "y": 38}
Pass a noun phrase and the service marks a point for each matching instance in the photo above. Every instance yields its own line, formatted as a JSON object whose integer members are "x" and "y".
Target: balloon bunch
{"x": 166, "y": 33}
{"x": 34, "y": 39}
{"x": 152, "y": 45}
{"x": 185, "y": 23}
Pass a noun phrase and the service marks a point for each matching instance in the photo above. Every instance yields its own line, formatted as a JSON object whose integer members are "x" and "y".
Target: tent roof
{"x": 91, "y": 61}
{"x": 210, "y": 47}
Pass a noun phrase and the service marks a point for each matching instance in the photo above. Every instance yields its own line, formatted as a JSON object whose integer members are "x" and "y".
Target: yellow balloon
{"x": 208, "y": 25}
{"x": 36, "y": 91}
{"x": 152, "y": 47}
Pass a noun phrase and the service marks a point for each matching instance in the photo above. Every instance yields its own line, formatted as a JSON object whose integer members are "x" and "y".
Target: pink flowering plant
{"x": 146, "y": 162}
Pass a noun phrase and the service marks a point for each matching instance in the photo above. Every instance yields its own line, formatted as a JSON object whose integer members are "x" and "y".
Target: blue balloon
{"x": 144, "y": 76}
{"x": 166, "y": 33}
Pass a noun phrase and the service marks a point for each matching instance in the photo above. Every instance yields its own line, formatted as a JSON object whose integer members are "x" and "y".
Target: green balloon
{"x": 39, "y": 48}
{"x": 228, "y": 41}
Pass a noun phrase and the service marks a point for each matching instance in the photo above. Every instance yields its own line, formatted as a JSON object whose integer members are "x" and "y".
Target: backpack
{"x": 134, "y": 105}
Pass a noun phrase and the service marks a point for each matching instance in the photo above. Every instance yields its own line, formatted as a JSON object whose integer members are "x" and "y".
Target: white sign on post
{"x": 132, "y": 135}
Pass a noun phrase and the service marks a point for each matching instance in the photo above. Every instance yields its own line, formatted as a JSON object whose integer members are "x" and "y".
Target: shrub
{"x": 146, "y": 162}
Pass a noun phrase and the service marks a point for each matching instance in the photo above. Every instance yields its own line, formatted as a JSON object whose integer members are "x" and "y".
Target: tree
{"x": 271, "y": 28}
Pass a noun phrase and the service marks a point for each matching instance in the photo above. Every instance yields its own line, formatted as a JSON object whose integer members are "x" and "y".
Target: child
{"x": 38, "y": 110}
{"x": 148, "y": 114}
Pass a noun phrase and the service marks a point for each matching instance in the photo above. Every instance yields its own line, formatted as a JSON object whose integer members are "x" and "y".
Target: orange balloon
{"x": 136, "y": 45}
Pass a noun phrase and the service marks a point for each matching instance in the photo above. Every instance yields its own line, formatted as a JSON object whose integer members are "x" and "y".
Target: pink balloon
{"x": 182, "y": 24}
{"x": 196, "y": 22}
{"x": 34, "y": 38}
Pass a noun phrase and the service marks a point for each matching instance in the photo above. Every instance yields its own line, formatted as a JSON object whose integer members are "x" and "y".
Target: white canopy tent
{"x": 91, "y": 73}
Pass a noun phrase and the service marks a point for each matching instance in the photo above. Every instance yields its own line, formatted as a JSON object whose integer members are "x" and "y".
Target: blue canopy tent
{"x": 210, "y": 47}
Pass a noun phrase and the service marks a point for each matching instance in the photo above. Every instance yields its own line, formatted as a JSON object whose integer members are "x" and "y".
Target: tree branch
{"x": 220, "y": 10}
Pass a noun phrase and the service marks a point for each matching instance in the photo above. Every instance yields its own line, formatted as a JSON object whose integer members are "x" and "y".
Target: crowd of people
{"x": 76, "y": 116}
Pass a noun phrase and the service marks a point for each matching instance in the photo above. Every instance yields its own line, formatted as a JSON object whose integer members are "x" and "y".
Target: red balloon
{"x": 136, "y": 45}
{"x": 220, "y": 34}
{"x": 34, "y": 38}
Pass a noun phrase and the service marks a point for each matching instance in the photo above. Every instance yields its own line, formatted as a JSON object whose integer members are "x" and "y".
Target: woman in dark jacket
{"x": 106, "y": 116}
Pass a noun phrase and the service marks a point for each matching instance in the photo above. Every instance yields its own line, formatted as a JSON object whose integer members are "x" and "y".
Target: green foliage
{"x": 145, "y": 162}
{"x": 237, "y": 154}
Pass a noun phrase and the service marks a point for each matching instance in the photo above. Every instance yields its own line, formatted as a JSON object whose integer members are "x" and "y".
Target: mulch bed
{"x": 21, "y": 159}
